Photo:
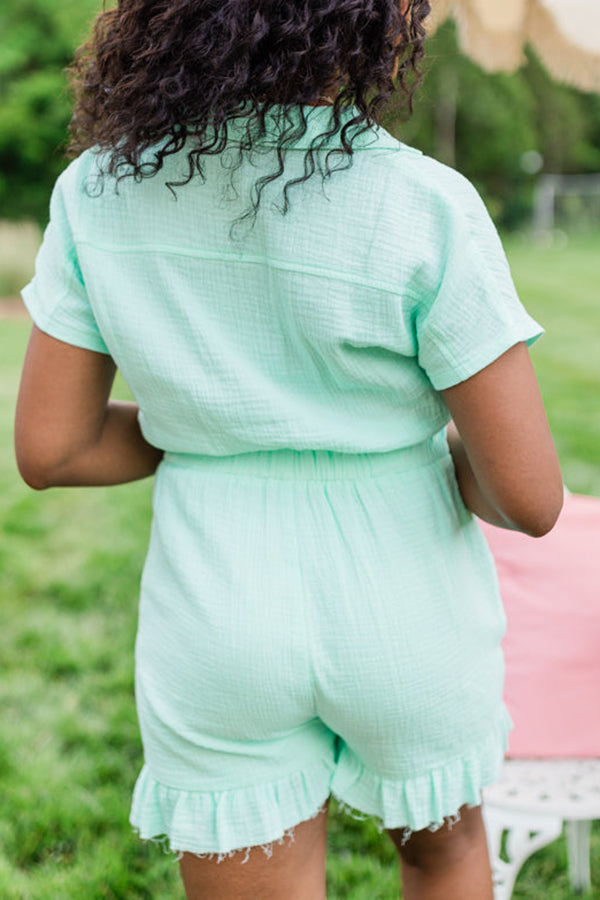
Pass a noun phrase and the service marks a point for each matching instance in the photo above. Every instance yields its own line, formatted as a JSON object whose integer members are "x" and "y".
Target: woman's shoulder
{"x": 91, "y": 192}
{"x": 430, "y": 181}
{"x": 81, "y": 177}
{"x": 75, "y": 173}
{"x": 413, "y": 196}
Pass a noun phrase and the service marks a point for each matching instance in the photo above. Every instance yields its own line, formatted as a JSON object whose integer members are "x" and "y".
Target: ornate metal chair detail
{"x": 551, "y": 776}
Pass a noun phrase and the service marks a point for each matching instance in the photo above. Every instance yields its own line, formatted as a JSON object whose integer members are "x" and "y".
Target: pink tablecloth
{"x": 551, "y": 592}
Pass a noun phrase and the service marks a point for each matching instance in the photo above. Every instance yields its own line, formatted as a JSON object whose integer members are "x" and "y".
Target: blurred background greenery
{"x": 502, "y": 131}
{"x": 486, "y": 125}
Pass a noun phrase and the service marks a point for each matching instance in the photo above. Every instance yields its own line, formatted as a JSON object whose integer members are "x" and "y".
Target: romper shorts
{"x": 314, "y": 623}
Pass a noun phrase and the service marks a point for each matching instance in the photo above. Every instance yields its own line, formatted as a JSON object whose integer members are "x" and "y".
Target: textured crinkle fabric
{"x": 222, "y": 821}
{"x": 429, "y": 798}
{"x": 332, "y": 327}
{"x": 319, "y": 611}
{"x": 313, "y": 622}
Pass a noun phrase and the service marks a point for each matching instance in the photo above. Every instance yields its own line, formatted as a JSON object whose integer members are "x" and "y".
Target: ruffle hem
{"x": 224, "y": 822}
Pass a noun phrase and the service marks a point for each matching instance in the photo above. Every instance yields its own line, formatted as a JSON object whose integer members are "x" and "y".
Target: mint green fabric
{"x": 314, "y": 623}
{"x": 319, "y": 611}
{"x": 333, "y": 327}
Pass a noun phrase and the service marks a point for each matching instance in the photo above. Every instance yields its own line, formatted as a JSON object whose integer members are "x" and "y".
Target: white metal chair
{"x": 527, "y": 809}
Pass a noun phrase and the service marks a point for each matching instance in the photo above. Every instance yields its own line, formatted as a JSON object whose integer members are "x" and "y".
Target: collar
{"x": 280, "y": 121}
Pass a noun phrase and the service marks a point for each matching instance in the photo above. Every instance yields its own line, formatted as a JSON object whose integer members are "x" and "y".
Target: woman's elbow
{"x": 34, "y": 473}
{"x": 38, "y": 459}
{"x": 539, "y": 518}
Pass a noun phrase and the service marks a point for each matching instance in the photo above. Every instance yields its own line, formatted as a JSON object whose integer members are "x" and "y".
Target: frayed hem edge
{"x": 448, "y": 821}
{"x": 268, "y": 848}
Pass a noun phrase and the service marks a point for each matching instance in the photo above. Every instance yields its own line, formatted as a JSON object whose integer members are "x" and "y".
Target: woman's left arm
{"x": 67, "y": 430}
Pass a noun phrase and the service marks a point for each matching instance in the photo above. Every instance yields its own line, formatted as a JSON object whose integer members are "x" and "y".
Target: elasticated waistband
{"x": 319, "y": 465}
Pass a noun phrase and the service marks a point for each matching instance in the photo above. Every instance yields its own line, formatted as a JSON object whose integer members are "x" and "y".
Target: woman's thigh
{"x": 293, "y": 869}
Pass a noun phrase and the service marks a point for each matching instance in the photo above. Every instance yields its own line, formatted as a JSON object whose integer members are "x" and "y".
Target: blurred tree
{"x": 38, "y": 39}
{"x": 482, "y": 124}
{"x": 567, "y": 122}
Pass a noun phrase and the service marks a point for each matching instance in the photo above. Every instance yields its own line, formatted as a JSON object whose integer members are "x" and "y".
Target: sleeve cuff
{"x": 485, "y": 356}
{"x": 60, "y": 329}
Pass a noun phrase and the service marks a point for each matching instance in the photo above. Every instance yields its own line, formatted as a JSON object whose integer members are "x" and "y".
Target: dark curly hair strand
{"x": 162, "y": 75}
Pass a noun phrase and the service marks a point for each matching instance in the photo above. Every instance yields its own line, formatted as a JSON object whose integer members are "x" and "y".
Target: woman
{"x": 299, "y": 304}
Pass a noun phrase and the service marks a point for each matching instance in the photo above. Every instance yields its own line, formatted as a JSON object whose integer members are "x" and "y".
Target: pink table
{"x": 551, "y": 593}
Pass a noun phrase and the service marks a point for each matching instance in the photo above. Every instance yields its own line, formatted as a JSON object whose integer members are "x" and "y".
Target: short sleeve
{"x": 473, "y": 314}
{"x": 56, "y": 297}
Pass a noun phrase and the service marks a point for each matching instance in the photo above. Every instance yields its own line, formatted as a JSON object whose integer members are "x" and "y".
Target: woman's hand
{"x": 505, "y": 460}
{"x": 67, "y": 431}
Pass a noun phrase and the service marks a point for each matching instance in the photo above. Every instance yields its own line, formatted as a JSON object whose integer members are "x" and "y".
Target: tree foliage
{"x": 481, "y": 123}
{"x": 38, "y": 39}
{"x": 491, "y": 121}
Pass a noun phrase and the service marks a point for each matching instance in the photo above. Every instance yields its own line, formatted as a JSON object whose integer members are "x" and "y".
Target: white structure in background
{"x": 565, "y": 33}
{"x": 526, "y": 810}
{"x": 553, "y": 190}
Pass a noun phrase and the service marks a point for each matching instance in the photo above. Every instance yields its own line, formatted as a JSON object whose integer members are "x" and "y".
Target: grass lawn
{"x": 69, "y": 568}
{"x": 561, "y": 288}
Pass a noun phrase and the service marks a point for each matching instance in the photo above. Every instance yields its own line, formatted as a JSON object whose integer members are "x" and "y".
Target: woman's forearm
{"x": 473, "y": 497}
{"x": 118, "y": 455}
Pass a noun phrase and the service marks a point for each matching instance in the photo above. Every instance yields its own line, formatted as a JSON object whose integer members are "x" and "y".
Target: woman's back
{"x": 326, "y": 328}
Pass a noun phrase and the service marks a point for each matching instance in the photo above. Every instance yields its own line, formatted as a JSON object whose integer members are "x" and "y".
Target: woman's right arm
{"x": 67, "y": 431}
{"x": 506, "y": 463}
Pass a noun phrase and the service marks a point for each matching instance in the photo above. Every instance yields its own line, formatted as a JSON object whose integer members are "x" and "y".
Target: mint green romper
{"x": 319, "y": 611}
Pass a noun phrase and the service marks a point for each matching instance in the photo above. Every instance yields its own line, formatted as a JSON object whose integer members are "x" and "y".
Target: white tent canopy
{"x": 565, "y": 33}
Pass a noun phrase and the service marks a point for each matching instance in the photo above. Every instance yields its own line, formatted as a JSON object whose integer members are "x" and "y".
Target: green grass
{"x": 561, "y": 288}
{"x": 19, "y": 242}
{"x": 69, "y": 568}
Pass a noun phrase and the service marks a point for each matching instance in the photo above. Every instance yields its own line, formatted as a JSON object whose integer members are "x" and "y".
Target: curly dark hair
{"x": 161, "y": 75}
